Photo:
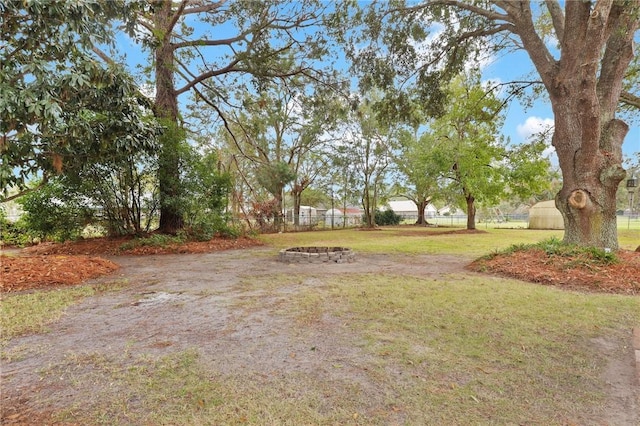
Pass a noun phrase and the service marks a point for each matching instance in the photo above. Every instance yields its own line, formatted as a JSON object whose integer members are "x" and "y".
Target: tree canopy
{"x": 264, "y": 41}
{"x": 60, "y": 105}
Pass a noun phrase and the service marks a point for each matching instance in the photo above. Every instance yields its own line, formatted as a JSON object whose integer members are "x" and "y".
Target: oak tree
{"x": 210, "y": 48}
{"x": 477, "y": 164}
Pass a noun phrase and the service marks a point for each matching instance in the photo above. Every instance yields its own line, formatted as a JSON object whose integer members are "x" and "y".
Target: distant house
{"x": 12, "y": 210}
{"x": 451, "y": 211}
{"x": 352, "y": 216}
{"x": 308, "y": 215}
{"x": 408, "y": 209}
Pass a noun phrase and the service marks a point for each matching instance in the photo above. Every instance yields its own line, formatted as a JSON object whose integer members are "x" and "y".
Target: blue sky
{"x": 520, "y": 123}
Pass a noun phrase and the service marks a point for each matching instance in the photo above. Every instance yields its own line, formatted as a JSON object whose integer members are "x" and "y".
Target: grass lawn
{"x": 461, "y": 349}
{"x": 421, "y": 240}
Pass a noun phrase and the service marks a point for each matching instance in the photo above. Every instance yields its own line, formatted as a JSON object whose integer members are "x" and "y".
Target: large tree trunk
{"x": 369, "y": 215}
{"x": 297, "y": 201}
{"x": 279, "y": 211}
{"x": 421, "y": 205}
{"x": 166, "y": 108}
{"x": 584, "y": 86}
{"x": 471, "y": 211}
{"x": 587, "y": 199}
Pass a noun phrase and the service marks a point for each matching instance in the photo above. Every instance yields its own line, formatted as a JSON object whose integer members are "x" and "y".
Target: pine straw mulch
{"x": 21, "y": 273}
{"x": 50, "y": 265}
{"x": 568, "y": 272}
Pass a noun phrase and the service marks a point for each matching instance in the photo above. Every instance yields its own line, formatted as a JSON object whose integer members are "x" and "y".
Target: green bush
{"x": 54, "y": 213}
{"x": 13, "y": 233}
{"x": 211, "y": 226}
{"x": 205, "y": 193}
{"x": 387, "y": 217}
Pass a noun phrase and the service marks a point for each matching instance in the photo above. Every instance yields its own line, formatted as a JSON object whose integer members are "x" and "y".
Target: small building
{"x": 350, "y": 217}
{"x": 545, "y": 215}
{"x": 308, "y": 216}
{"x": 334, "y": 217}
{"x": 408, "y": 209}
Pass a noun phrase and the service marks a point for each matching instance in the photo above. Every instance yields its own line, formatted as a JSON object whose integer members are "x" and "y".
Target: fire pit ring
{"x": 317, "y": 255}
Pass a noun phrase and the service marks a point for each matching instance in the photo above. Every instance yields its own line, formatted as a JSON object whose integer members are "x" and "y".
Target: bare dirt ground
{"x": 147, "y": 316}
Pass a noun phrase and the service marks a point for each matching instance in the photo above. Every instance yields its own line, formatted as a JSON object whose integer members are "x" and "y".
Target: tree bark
{"x": 471, "y": 211}
{"x": 166, "y": 108}
{"x": 584, "y": 87}
{"x": 369, "y": 215}
{"x": 296, "y": 208}
{"x": 587, "y": 199}
{"x": 279, "y": 211}
{"x": 422, "y": 205}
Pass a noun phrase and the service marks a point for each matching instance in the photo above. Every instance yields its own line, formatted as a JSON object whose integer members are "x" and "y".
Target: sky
{"x": 520, "y": 122}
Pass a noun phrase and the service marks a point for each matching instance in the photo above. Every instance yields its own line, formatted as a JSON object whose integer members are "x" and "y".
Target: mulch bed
{"x": 51, "y": 265}
{"x": 113, "y": 247}
{"x": 572, "y": 273}
{"x": 32, "y": 272}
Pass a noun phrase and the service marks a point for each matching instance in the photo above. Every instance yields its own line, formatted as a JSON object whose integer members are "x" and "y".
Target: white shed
{"x": 334, "y": 216}
{"x": 408, "y": 209}
{"x": 308, "y": 215}
{"x": 545, "y": 215}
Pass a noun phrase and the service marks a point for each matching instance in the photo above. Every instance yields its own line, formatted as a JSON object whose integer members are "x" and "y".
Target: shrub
{"x": 52, "y": 212}
{"x": 13, "y": 233}
{"x": 387, "y": 217}
{"x": 210, "y": 226}
{"x": 205, "y": 193}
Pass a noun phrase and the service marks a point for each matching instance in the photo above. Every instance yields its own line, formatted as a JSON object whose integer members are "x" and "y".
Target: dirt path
{"x": 148, "y": 317}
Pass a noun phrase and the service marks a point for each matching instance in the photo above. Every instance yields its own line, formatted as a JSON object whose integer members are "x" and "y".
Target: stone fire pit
{"x": 317, "y": 255}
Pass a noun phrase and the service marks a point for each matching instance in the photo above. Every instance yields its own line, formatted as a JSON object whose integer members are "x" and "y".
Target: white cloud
{"x": 540, "y": 127}
{"x": 534, "y": 125}
{"x": 149, "y": 90}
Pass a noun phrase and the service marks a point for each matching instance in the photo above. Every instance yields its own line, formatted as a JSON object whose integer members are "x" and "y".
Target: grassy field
{"x": 420, "y": 240}
{"x": 455, "y": 350}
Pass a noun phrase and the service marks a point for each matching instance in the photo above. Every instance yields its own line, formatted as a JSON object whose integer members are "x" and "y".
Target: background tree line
{"x": 237, "y": 123}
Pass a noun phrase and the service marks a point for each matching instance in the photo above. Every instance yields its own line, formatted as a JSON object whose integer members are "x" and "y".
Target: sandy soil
{"x": 147, "y": 316}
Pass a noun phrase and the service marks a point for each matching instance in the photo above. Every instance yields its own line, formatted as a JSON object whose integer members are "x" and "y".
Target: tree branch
{"x": 486, "y": 32}
{"x": 176, "y": 16}
{"x": 557, "y": 17}
{"x": 618, "y": 53}
{"x": 44, "y": 181}
{"x": 142, "y": 20}
{"x": 229, "y": 68}
{"x": 489, "y": 14}
{"x": 204, "y": 8}
{"x": 508, "y": 6}
{"x": 221, "y": 42}
{"x": 533, "y": 44}
{"x": 630, "y": 99}
{"x": 106, "y": 58}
